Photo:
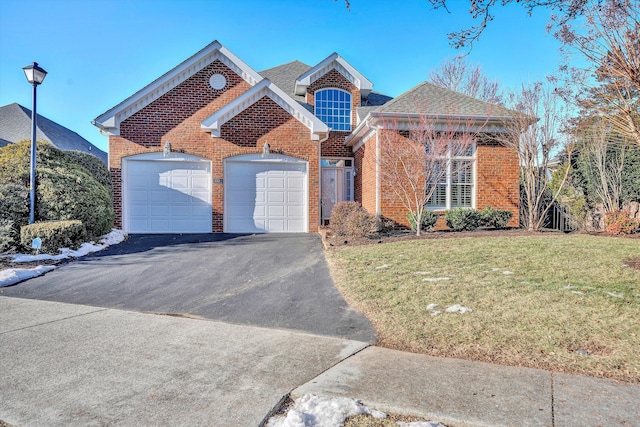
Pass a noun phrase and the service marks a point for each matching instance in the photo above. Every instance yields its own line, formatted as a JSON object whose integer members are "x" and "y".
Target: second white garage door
{"x": 265, "y": 195}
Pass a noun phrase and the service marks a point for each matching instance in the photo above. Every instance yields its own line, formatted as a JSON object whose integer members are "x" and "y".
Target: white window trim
{"x": 448, "y": 178}
{"x": 350, "y": 116}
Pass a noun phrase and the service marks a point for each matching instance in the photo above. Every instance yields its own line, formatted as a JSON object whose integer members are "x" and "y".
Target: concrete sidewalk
{"x": 72, "y": 365}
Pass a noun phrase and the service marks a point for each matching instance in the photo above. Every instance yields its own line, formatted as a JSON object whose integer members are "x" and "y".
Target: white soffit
{"x": 109, "y": 122}
{"x": 213, "y": 123}
{"x": 334, "y": 62}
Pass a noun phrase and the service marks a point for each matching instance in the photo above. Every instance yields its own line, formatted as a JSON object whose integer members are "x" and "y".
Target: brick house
{"x": 213, "y": 145}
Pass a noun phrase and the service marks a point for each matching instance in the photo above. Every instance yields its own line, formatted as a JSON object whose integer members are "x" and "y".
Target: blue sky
{"x": 99, "y": 52}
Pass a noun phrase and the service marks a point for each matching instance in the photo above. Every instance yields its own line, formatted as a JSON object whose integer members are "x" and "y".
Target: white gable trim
{"x": 319, "y": 130}
{"x": 334, "y": 62}
{"x": 109, "y": 122}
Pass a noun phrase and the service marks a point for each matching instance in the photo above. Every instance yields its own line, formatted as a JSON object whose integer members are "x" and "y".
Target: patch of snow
{"x": 625, "y": 265}
{"x": 435, "y": 279}
{"x": 432, "y": 306}
{"x": 496, "y": 269}
{"x": 11, "y": 276}
{"x": 116, "y": 236}
{"x": 507, "y": 272}
{"x": 435, "y": 313}
{"x": 422, "y": 272}
{"x": 420, "y": 424}
{"x": 611, "y": 294}
{"x": 568, "y": 287}
{"x": 457, "y": 308}
{"x": 380, "y": 267}
{"x": 313, "y": 411}
{"x": 577, "y": 292}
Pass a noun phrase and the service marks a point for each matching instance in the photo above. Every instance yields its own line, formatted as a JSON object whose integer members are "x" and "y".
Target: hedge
{"x": 54, "y": 235}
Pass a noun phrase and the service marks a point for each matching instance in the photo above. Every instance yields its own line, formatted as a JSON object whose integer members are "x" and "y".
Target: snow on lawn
{"x": 12, "y": 276}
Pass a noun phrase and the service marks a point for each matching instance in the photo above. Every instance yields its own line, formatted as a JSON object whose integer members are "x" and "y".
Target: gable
{"x": 147, "y": 126}
{"x": 109, "y": 122}
{"x": 337, "y": 63}
{"x": 213, "y": 124}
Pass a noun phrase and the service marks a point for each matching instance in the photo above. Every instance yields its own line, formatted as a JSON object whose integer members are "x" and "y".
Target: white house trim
{"x": 334, "y": 62}
{"x": 213, "y": 124}
{"x": 109, "y": 122}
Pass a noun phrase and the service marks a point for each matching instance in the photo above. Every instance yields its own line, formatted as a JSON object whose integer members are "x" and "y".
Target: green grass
{"x": 561, "y": 293}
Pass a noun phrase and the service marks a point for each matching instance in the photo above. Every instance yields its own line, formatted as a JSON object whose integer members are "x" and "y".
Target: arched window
{"x": 333, "y": 106}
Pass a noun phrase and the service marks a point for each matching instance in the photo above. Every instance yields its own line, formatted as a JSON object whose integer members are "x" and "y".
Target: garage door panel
{"x": 258, "y": 196}
{"x": 167, "y": 196}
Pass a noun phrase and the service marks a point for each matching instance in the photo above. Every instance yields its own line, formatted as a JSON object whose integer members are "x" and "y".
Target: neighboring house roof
{"x": 110, "y": 121}
{"x": 213, "y": 123}
{"x": 15, "y": 126}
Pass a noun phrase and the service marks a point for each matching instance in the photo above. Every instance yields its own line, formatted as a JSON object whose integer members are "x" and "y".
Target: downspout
{"x": 378, "y": 201}
{"x": 320, "y": 141}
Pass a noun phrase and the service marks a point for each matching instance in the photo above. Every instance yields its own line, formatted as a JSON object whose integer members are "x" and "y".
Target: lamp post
{"x": 35, "y": 75}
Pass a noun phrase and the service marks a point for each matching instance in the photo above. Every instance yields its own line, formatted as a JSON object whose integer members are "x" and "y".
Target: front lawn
{"x": 552, "y": 301}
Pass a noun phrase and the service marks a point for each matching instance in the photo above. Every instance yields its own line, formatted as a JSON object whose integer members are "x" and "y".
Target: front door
{"x": 332, "y": 185}
{"x": 337, "y": 184}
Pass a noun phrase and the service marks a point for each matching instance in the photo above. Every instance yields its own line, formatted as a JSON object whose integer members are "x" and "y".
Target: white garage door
{"x": 265, "y": 195}
{"x": 166, "y": 195}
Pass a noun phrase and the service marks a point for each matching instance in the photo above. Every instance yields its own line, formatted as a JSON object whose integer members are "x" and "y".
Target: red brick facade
{"x": 497, "y": 183}
{"x": 176, "y": 117}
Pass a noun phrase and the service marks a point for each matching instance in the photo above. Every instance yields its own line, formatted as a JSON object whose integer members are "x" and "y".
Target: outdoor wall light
{"x": 266, "y": 150}
{"x": 35, "y": 75}
{"x": 166, "y": 150}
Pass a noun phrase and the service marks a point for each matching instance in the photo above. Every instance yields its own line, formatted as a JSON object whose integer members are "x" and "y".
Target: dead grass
{"x": 559, "y": 302}
{"x": 390, "y": 421}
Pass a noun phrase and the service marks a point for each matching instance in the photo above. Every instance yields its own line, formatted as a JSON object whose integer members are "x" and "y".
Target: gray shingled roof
{"x": 15, "y": 126}
{"x": 284, "y": 76}
{"x": 427, "y": 98}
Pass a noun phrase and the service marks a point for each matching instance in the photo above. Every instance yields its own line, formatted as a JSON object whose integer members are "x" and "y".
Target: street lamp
{"x": 35, "y": 75}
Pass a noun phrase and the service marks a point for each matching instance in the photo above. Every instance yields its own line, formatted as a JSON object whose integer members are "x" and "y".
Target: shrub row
{"x": 54, "y": 235}
{"x": 428, "y": 220}
{"x": 351, "y": 219}
{"x": 463, "y": 219}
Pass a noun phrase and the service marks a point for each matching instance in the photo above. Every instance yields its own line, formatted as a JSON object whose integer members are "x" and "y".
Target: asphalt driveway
{"x": 270, "y": 280}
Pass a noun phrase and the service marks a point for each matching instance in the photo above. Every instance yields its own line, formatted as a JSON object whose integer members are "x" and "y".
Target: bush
{"x": 54, "y": 235}
{"x": 427, "y": 221}
{"x": 620, "y": 223}
{"x": 340, "y": 215}
{"x": 462, "y": 219}
{"x": 14, "y": 213}
{"x": 8, "y": 236}
{"x": 361, "y": 224}
{"x": 496, "y": 218}
{"x": 65, "y": 189}
{"x": 351, "y": 219}
{"x": 94, "y": 165}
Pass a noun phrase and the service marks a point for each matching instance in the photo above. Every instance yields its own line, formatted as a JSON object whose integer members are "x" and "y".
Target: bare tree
{"x": 609, "y": 84}
{"x": 605, "y": 162}
{"x": 416, "y": 154}
{"x": 482, "y": 10}
{"x": 456, "y": 74}
{"x": 535, "y": 134}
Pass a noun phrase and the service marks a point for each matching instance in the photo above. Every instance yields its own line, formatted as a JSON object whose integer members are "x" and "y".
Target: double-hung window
{"x": 333, "y": 106}
{"x": 451, "y": 179}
